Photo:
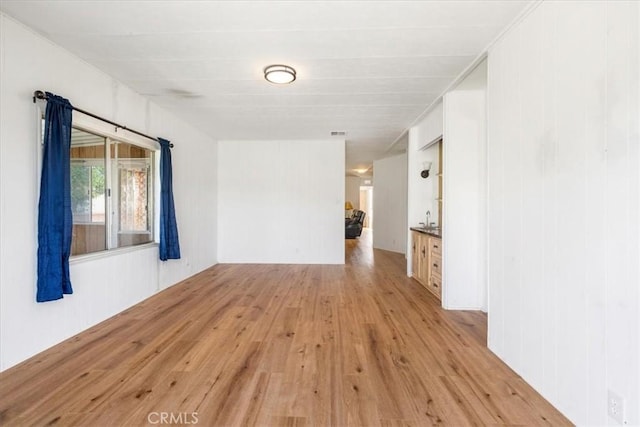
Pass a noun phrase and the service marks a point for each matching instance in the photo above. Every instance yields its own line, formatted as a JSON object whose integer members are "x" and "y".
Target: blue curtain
{"x": 54, "y": 208}
{"x": 169, "y": 244}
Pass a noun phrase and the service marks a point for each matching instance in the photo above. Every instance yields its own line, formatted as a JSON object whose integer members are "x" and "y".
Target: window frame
{"x": 114, "y": 232}
{"x": 110, "y": 133}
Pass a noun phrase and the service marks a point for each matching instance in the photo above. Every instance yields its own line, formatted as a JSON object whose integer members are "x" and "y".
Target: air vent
{"x": 185, "y": 94}
{"x": 338, "y": 133}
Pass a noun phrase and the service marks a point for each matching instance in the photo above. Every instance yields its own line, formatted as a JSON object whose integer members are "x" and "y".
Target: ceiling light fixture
{"x": 279, "y": 74}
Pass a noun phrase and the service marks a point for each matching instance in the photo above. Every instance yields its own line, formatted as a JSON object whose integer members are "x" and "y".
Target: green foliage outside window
{"x": 87, "y": 184}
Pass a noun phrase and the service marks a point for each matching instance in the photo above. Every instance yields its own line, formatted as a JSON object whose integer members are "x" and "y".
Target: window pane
{"x": 88, "y": 202}
{"x": 80, "y": 192}
{"x": 133, "y": 199}
{"x": 98, "y": 202}
{"x": 134, "y": 195}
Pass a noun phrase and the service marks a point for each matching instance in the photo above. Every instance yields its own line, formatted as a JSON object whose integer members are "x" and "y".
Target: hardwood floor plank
{"x": 276, "y": 345}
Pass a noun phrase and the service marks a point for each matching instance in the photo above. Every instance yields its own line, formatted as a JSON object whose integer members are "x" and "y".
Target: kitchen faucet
{"x": 428, "y": 224}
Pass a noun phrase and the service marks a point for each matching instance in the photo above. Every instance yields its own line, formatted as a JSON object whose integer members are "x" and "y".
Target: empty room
{"x": 306, "y": 213}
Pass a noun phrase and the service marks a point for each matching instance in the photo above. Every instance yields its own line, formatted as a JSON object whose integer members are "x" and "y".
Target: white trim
{"x": 95, "y": 126}
{"x": 109, "y": 192}
{"x": 76, "y": 259}
{"x": 432, "y": 142}
{"x": 137, "y": 232}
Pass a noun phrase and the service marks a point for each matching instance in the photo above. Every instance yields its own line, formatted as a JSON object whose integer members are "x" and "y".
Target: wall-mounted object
{"x": 426, "y": 166}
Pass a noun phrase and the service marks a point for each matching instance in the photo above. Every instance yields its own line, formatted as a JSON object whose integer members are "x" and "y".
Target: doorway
{"x": 366, "y": 204}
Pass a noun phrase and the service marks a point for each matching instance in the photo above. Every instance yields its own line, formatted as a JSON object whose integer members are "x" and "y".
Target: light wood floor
{"x": 359, "y": 344}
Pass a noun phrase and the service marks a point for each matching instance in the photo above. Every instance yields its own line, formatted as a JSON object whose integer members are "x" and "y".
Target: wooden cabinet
{"x": 426, "y": 260}
{"x": 435, "y": 266}
{"x": 420, "y": 269}
{"x": 415, "y": 254}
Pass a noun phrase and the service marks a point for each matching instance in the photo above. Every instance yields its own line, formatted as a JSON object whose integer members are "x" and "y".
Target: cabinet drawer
{"x": 436, "y": 264}
{"x": 435, "y": 283}
{"x": 435, "y": 245}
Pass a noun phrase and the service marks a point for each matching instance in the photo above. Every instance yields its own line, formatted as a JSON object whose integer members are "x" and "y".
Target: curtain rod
{"x": 38, "y": 94}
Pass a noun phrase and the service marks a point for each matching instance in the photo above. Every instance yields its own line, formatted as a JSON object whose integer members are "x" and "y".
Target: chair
{"x": 353, "y": 226}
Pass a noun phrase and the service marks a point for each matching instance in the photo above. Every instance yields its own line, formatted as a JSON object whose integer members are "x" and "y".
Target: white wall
{"x": 109, "y": 285}
{"x": 390, "y": 204}
{"x": 281, "y": 201}
{"x": 421, "y": 193}
{"x": 563, "y": 205}
{"x": 464, "y": 210}
{"x": 430, "y": 128}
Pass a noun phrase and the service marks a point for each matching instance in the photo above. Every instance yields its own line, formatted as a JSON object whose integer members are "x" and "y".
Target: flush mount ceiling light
{"x": 279, "y": 74}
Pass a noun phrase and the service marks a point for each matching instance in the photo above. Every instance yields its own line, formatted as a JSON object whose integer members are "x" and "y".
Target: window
{"x": 132, "y": 191}
{"x": 111, "y": 193}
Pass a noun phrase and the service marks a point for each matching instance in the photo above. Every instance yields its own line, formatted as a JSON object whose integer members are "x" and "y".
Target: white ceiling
{"x": 369, "y": 68}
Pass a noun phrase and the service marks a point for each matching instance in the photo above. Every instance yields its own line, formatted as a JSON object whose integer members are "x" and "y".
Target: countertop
{"x": 430, "y": 232}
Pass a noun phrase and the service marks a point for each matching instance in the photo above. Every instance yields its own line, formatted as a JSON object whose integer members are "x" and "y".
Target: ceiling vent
{"x": 338, "y": 133}
{"x": 184, "y": 94}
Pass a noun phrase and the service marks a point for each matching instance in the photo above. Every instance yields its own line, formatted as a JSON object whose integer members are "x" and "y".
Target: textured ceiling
{"x": 369, "y": 68}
